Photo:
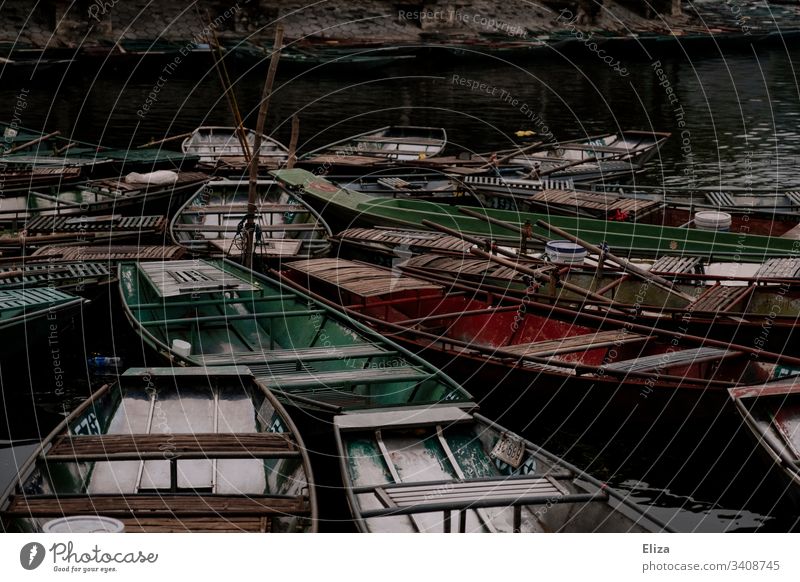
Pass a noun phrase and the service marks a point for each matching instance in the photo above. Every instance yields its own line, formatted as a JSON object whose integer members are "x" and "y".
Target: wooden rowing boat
{"x": 74, "y": 277}
{"x": 772, "y": 413}
{"x": 46, "y": 230}
{"x": 29, "y": 318}
{"x": 528, "y": 196}
{"x": 445, "y": 469}
{"x": 496, "y": 343}
{"x": 220, "y": 150}
{"x": 171, "y": 450}
{"x": 739, "y": 299}
{"x": 134, "y": 193}
{"x": 611, "y": 156}
{"x": 419, "y": 186}
{"x": 378, "y": 147}
{"x": 212, "y": 222}
{"x": 349, "y": 209}
{"x": 303, "y": 351}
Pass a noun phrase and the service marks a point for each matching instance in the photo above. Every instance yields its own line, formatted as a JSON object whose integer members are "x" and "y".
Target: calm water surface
{"x": 734, "y": 122}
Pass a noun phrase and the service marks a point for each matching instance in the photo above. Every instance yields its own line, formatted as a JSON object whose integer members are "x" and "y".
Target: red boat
{"x": 520, "y": 346}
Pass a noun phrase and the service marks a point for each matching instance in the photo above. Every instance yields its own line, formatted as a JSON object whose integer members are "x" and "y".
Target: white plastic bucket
{"x": 564, "y": 251}
{"x": 712, "y": 220}
{"x": 182, "y": 348}
{"x": 84, "y": 524}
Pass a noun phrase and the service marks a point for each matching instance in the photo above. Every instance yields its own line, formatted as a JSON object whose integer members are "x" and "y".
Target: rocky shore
{"x": 103, "y": 23}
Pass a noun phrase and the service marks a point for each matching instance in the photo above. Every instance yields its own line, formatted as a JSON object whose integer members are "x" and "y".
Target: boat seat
{"x": 794, "y": 198}
{"x": 779, "y": 269}
{"x": 446, "y": 496}
{"x": 677, "y": 265}
{"x": 722, "y": 199}
{"x": 242, "y": 209}
{"x": 669, "y": 359}
{"x": 231, "y": 524}
{"x": 308, "y": 378}
{"x": 576, "y": 343}
{"x": 133, "y": 447}
{"x": 719, "y": 298}
{"x": 314, "y": 354}
{"x": 156, "y": 505}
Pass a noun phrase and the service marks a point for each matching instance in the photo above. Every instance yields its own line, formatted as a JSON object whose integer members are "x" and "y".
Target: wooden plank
{"x": 577, "y": 343}
{"x": 198, "y": 445}
{"x": 152, "y": 505}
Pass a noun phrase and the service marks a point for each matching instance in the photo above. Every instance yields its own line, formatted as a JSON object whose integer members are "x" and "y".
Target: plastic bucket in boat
{"x": 182, "y": 348}
{"x": 564, "y": 251}
{"x": 84, "y": 524}
{"x": 712, "y": 220}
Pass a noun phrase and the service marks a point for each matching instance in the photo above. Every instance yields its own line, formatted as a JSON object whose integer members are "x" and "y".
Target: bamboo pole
{"x": 32, "y": 142}
{"x": 542, "y": 276}
{"x": 165, "y": 140}
{"x": 624, "y": 263}
{"x": 293, "y": 142}
{"x": 249, "y": 231}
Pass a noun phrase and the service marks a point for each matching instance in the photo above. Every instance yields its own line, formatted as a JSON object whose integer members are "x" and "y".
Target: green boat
{"x": 216, "y": 313}
{"x": 28, "y": 319}
{"x": 168, "y": 450}
{"x": 359, "y": 209}
{"x": 449, "y": 470}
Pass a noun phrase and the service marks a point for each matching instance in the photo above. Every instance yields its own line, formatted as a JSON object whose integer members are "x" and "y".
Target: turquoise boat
{"x": 169, "y": 450}
{"x": 351, "y": 209}
{"x": 447, "y": 470}
{"x": 28, "y": 317}
{"x": 216, "y": 313}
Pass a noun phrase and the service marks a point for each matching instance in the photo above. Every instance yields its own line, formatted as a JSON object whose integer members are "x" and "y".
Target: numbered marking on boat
{"x": 510, "y": 449}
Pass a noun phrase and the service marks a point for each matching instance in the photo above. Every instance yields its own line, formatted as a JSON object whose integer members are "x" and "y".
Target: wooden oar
{"x": 31, "y": 143}
{"x": 498, "y": 222}
{"x": 293, "y": 142}
{"x": 624, "y": 263}
{"x": 542, "y": 277}
{"x": 165, "y": 140}
{"x": 513, "y": 154}
{"x": 468, "y": 238}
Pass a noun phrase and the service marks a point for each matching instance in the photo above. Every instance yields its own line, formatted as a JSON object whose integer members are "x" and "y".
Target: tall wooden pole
{"x": 249, "y": 230}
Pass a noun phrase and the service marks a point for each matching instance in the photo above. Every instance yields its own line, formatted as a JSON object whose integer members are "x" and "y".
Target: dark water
{"x": 740, "y": 119}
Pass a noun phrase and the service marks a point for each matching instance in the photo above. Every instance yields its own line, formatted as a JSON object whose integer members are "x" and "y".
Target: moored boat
{"x": 29, "y": 319}
{"x": 358, "y": 209}
{"x": 772, "y": 413}
{"x": 214, "y": 312}
{"x": 221, "y": 149}
{"x": 212, "y": 222}
{"x": 444, "y": 469}
{"x": 134, "y": 193}
{"x": 74, "y": 277}
{"x": 550, "y": 351}
{"x": 378, "y": 147}
{"x": 170, "y": 450}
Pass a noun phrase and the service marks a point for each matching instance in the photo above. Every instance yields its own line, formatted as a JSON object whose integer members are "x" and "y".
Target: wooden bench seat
{"x": 156, "y": 505}
{"x": 242, "y": 209}
{"x": 410, "y": 498}
{"x": 315, "y": 354}
{"x": 348, "y": 376}
{"x": 576, "y": 343}
{"x": 121, "y": 447}
{"x": 676, "y": 265}
{"x": 669, "y": 359}
{"x": 230, "y": 524}
{"x": 720, "y": 298}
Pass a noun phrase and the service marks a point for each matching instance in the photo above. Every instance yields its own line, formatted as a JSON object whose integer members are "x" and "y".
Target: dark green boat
{"x": 28, "y": 318}
{"x": 359, "y": 209}
{"x": 169, "y": 450}
{"x": 216, "y": 313}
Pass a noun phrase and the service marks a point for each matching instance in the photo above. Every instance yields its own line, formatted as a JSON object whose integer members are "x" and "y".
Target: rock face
{"x": 98, "y": 22}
